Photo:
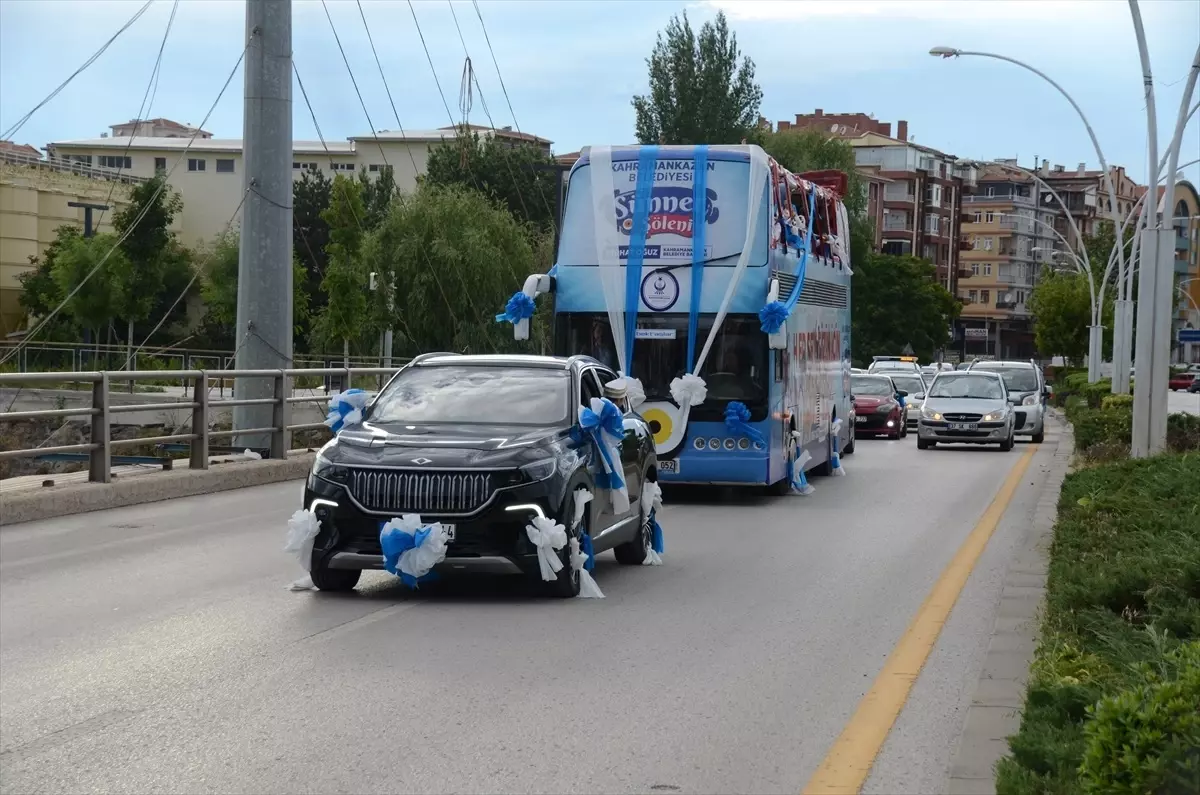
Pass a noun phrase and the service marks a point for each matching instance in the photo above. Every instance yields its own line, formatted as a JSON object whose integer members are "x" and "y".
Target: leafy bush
{"x": 1183, "y": 432}
{"x": 1103, "y": 434}
{"x": 1147, "y": 739}
{"x": 1122, "y": 600}
{"x": 1117, "y": 401}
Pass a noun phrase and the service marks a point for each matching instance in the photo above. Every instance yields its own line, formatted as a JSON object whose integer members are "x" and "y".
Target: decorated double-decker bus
{"x": 718, "y": 285}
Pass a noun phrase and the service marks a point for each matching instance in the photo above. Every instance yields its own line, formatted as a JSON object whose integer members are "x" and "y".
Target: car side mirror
{"x": 900, "y": 393}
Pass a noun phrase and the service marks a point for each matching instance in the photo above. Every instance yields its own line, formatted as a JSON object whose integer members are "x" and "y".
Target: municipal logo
{"x": 660, "y": 290}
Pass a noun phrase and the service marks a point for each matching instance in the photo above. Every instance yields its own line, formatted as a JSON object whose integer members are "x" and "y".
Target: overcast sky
{"x": 572, "y": 66}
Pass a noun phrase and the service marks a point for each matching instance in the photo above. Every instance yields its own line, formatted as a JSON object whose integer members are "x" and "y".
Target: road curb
{"x": 995, "y": 710}
{"x": 74, "y": 498}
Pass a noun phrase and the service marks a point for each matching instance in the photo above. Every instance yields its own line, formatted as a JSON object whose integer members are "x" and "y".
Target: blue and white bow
{"x": 737, "y": 421}
{"x": 519, "y": 307}
{"x": 411, "y": 548}
{"x": 604, "y": 424}
{"x": 346, "y": 408}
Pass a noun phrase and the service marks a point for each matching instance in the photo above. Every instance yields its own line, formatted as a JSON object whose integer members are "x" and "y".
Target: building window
{"x": 295, "y": 166}
{"x": 973, "y": 296}
{"x": 224, "y": 166}
{"x": 115, "y": 161}
{"x": 85, "y": 159}
{"x": 990, "y": 217}
{"x": 991, "y": 190}
{"x": 160, "y": 164}
{"x": 373, "y": 168}
{"x": 196, "y": 164}
{"x": 929, "y": 252}
{"x": 932, "y": 223}
{"x": 985, "y": 296}
{"x": 987, "y": 243}
{"x": 978, "y": 216}
{"x": 987, "y": 269}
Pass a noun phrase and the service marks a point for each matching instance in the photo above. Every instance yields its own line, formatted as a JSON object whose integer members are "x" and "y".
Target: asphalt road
{"x": 155, "y": 649}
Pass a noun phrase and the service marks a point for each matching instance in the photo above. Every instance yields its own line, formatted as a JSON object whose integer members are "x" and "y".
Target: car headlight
{"x": 1030, "y": 400}
{"x": 996, "y": 416}
{"x": 327, "y": 470}
{"x": 930, "y": 414}
{"x": 540, "y": 470}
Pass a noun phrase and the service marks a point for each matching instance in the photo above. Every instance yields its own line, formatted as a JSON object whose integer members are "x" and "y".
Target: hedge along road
{"x": 155, "y": 648}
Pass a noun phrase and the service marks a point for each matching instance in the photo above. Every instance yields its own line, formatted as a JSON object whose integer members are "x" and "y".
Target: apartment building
{"x": 1086, "y": 195}
{"x": 922, "y": 199}
{"x": 1011, "y": 236}
{"x": 1186, "y": 314}
{"x": 207, "y": 171}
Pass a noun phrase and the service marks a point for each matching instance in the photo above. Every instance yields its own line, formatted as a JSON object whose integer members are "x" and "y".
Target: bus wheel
{"x": 783, "y": 486}
{"x": 826, "y": 468}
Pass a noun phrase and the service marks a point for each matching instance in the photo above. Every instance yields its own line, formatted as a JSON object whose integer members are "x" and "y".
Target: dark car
{"x": 481, "y": 444}
{"x": 877, "y": 406}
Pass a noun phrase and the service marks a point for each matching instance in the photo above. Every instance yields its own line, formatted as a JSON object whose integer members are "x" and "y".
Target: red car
{"x": 1181, "y": 381}
{"x": 877, "y": 407}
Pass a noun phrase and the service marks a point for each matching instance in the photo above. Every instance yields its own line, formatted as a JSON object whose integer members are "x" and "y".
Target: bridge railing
{"x": 100, "y": 446}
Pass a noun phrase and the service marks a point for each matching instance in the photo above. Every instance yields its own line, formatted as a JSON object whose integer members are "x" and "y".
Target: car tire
{"x": 566, "y": 584}
{"x": 1039, "y": 437}
{"x": 633, "y": 553}
{"x": 1007, "y": 444}
{"x": 334, "y": 580}
{"x": 923, "y": 444}
{"x": 850, "y": 444}
{"x": 894, "y": 434}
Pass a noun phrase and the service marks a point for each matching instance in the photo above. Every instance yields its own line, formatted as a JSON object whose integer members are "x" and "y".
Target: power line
{"x": 386, "y": 88}
{"x": 496, "y": 64}
{"x": 429, "y": 58}
{"x": 346, "y": 61}
{"x": 143, "y": 109}
{"x": 11, "y": 131}
{"x": 150, "y": 203}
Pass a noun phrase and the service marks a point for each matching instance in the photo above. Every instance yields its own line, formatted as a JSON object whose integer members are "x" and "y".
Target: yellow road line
{"x": 848, "y": 763}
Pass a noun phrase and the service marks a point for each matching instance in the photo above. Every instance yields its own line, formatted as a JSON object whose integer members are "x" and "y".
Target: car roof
{"x": 957, "y": 373}
{"x": 995, "y": 365}
{"x": 503, "y": 360}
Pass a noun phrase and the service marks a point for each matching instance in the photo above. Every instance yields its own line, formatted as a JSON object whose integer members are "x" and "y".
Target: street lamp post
{"x": 1120, "y": 345}
{"x": 1155, "y": 280}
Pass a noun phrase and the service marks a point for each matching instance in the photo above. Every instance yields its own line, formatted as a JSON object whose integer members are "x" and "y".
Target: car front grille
{"x": 962, "y": 417}
{"x": 399, "y": 491}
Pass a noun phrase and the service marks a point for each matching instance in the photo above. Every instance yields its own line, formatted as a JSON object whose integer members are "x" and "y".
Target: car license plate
{"x": 963, "y": 426}
{"x": 858, "y": 419}
{"x": 671, "y": 466}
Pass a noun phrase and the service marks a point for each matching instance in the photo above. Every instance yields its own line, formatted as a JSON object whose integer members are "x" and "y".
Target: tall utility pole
{"x": 264, "y": 308}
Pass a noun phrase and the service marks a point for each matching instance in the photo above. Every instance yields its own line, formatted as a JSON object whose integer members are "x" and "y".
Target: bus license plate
{"x": 670, "y": 467}
{"x": 963, "y": 426}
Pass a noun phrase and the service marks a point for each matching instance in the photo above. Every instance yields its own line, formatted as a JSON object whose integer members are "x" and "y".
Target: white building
{"x": 208, "y": 173}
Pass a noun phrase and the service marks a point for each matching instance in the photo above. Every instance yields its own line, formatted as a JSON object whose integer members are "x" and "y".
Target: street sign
{"x": 975, "y": 333}
{"x": 1189, "y": 335}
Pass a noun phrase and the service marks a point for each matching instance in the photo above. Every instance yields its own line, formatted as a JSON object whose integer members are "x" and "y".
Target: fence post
{"x": 280, "y": 417}
{"x": 100, "y": 465}
{"x": 199, "y": 458}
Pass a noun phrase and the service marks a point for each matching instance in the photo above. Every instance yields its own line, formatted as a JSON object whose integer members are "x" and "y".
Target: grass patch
{"x": 1111, "y": 705}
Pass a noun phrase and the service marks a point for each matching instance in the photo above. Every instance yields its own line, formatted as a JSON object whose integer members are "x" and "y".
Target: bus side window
{"x": 780, "y": 364}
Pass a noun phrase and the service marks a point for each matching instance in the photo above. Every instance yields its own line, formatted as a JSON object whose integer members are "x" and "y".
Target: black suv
{"x": 481, "y": 444}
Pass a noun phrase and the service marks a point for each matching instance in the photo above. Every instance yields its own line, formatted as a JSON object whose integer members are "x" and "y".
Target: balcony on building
{"x": 897, "y": 222}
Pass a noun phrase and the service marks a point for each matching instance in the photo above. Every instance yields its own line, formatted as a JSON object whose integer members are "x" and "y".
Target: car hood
{"x": 964, "y": 405}
{"x": 870, "y": 402}
{"x": 434, "y": 445}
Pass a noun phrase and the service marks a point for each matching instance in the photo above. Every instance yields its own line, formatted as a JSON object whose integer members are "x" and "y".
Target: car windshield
{"x": 966, "y": 385}
{"x": 905, "y": 367}
{"x": 875, "y": 387}
{"x": 1017, "y": 379}
{"x": 474, "y": 394}
{"x": 911, "y": 384}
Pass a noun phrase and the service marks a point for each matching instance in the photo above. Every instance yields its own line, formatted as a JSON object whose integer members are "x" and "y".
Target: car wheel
{"x": 566, "y": 584}
{"x": 894, "y": 434}
{"x": 327, "y": 579}
{"x": 850, "y": 445}
{"x": 923, "y": 444}
{"x": 1007, "y": 444}
{"x": 633, "y": 553}
{"x": 1039, "y": 437}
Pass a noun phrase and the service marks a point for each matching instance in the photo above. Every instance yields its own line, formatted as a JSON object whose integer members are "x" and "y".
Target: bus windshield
{"x": 736, "y": 367}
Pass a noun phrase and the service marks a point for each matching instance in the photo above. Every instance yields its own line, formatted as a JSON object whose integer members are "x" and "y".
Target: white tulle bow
{"x": 548, "y": 536}
{"x": 689, "y": 390}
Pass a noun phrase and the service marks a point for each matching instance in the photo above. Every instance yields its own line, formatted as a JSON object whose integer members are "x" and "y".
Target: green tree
{"x": 1061, "y": 304}
{"x": 502, "y": 170}
{"x": 345, "y": 316}
{"x": 135, "y": 280}
{"x": 699, "y": 92}
{"x": 92, "y": 305}
{"x": 376, "y": 195}
{"x": 898, "y": 301}
{"x": 454, "y": 258}
{"x": 310, "y": 234}
{"x": 40, "y": 293}
{"x": 219, "y": 290}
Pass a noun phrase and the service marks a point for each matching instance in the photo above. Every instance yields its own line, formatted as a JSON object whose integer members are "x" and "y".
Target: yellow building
{"x": 35, "y": 199}
{"x": 209, "y": 172}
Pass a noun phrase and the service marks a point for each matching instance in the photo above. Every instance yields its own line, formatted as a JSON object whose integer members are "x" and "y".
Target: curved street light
{"x": 1119, "y": 344}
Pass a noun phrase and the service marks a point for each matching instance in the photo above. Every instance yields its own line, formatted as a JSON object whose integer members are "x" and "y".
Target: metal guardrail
{"x": 68, "y": 166}
{"x": 101, "y": 411}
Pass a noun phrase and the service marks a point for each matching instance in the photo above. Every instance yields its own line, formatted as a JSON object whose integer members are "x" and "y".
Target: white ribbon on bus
{"x": 690, "y": 389}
